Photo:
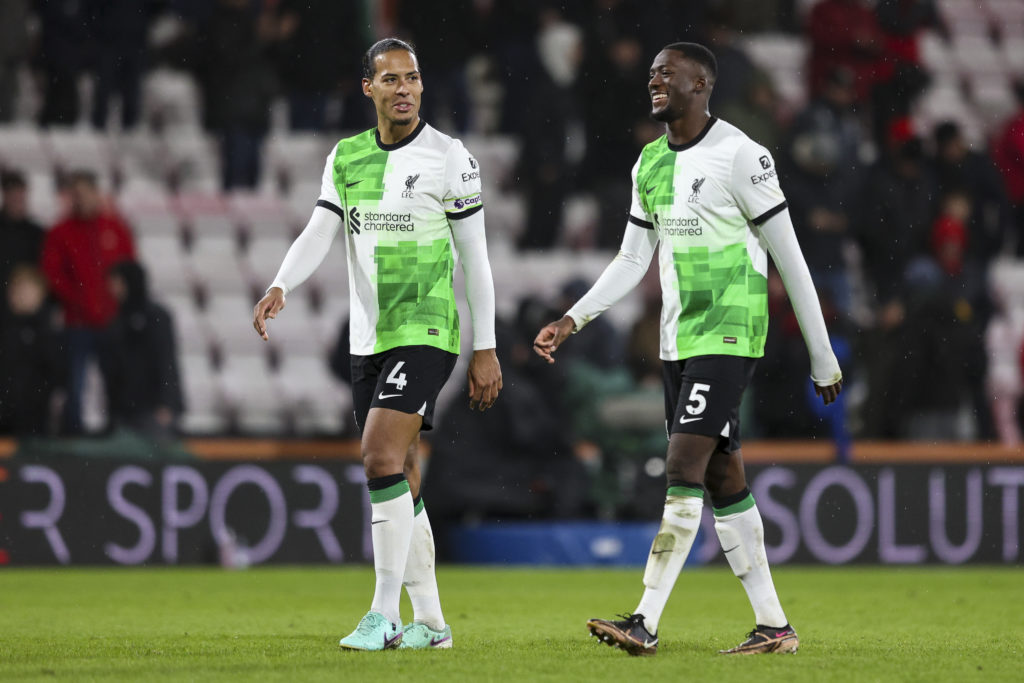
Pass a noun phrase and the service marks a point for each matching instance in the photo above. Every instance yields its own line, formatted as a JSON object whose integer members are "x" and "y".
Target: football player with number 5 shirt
{"x": 409, "y": 199}
{"x": 710, "y": 195}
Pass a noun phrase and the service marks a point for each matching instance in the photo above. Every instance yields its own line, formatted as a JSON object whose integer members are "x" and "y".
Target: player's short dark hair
{"x": 699, "y": 54}
{"x": 379, "y": 48}
{"x": 12, "y": 180}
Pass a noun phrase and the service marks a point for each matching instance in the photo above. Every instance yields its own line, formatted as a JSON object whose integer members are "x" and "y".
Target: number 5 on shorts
{"x": 697, "y": 400}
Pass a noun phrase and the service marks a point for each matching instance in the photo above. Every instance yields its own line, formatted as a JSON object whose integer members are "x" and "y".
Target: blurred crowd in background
{"x": 906, "y": 219}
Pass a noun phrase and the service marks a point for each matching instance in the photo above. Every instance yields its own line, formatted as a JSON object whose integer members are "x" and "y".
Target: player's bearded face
{"x": 396, "y": 87}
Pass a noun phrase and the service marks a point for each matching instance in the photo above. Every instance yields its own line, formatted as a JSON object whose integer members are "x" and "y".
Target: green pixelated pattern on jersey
{"x": 724, "y": 302}
{"x": 414, "y": 294}
{"x": 655, "y": 178}
{"x": 359, "y": 170}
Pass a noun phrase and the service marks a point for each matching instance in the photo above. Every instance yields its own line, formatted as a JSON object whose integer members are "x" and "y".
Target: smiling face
{"x": 396, "y": 88}
{"x": 677, "y": 85}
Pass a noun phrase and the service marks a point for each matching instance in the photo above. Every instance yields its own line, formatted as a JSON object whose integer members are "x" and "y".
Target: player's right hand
{"x": 551, "y": 337}
{"x": 269, "y": 306}
{"x": 830, "y": 393}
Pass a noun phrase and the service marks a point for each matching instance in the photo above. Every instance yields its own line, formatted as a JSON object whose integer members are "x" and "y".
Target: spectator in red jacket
{"x": 1008, "y": 152}
{"x": 845, "y": 33}
{"x": 77, "y": 253}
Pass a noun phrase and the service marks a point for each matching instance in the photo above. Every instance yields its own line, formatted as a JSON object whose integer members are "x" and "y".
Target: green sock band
{"x": 390, "y": 493}
{"x": 685, "y": 491}
{"x": 735, "y": 508}
{"x": 418, "y": 507}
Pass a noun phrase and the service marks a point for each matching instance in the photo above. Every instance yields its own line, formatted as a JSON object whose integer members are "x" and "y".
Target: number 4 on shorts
{"x": 396, "y": 378}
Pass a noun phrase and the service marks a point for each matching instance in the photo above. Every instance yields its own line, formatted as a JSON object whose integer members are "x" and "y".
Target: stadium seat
{"x": 138, "y": 155}
{"x": 253, "y": 393}
{"x": 936, "y": 54}
{"x": 318, "y": 402}
{"x": 506, "y": 217}
{"x": 170, "y": 98}
{"x": 205, "y": 214}
{"x": 261, "y": 214}
{"x": 192, "y": 334}
{"x": 44, "y": 205}
{"x": 80, "y": 149}
{"x": 332, "y": 275}
{"x": 1008, "y": 16}
{"x": 263, "y": 259}
{"x": 773, "y": 51}
{"x": 228, "y": 318}
{"x": 297, "y": 330}
{"x": 22, "y": 148}
{"x": 994, "y": 99}
{"x": 976, "y": 55}
{"x": 147, "y": 207}
{"x": 205, "y": 405}
{"x": 214, "y": 262}
{"x": 1012, "y": 50}
{"x": 166, "y": 263}
{"x": 192, "y": 159}
{"x": 964, "y": 17}
{"x": 295, "y": 157}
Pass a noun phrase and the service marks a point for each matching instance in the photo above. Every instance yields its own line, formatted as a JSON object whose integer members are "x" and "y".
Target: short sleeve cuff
{"x": 760, "y": 220}
{"x": 641, "y": 222}
{"x": 323, "y": 203}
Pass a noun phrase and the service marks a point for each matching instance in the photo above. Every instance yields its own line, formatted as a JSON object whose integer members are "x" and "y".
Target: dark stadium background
{"x": 898, "y": 128}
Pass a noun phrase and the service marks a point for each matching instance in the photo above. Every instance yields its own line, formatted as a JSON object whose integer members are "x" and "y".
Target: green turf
{"x": 509, "y": 624}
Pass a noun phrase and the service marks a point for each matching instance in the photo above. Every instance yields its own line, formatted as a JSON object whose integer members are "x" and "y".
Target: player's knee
{"x": 378, "y": 462}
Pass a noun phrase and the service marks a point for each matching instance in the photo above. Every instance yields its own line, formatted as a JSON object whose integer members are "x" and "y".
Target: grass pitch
{"x": 509, "y": 624}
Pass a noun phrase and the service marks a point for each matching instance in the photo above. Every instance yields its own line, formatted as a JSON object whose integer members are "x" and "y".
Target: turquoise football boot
{"x": 374, "y": 632}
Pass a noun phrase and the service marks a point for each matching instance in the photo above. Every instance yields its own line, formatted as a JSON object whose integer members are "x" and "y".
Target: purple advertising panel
{"x": 887, "y": 514}
{"x": 91, "y": 511}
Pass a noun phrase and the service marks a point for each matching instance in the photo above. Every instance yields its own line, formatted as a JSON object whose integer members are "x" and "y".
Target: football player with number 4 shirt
{"x": 710, "y": 195}
{"x": 409, "y": 198}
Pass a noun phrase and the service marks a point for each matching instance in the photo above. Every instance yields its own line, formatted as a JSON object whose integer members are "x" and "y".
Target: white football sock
{"x": 742, "y": 538}
{"x": 420, "y": 581}
{"x": 678, "y": 528}
{"x": 391, "y": 529}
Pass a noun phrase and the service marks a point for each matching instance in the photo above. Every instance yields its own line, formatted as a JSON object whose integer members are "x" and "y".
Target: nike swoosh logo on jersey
{"x": 383, "y": 396}
{"x": 684, "y": 420}
{"x": 351, "y": 184}
{"x": 650, "y": 189}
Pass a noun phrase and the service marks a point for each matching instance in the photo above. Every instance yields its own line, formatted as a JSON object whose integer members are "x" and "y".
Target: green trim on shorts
{"x": 736, "y": 508}
{"x": 685, "y": 491}
{"x": 418, "y": 509}
{"x": 390, "y": 493}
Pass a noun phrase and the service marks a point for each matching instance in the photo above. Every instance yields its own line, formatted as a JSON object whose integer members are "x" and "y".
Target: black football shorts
{"x": 406, "y": 378}
{"x": 703, "y": 394}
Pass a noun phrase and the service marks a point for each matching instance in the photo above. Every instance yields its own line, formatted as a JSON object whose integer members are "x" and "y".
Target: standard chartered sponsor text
{"x": 680, "y": 226}
{"x": 387, "y": 222}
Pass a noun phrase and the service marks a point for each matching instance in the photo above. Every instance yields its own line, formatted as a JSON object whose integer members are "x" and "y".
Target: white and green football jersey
{"x": 396, "y": 202}
{"x": 704, "y": 199}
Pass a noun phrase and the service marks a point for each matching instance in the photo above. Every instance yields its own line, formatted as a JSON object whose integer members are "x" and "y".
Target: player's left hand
{"x": 828, "y": 394}
{"x": 484, "y": 379}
